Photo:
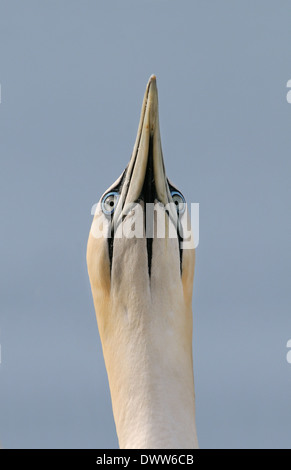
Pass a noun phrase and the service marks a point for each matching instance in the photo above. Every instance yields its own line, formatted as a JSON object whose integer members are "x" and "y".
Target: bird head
{"x": 137, "y": 238}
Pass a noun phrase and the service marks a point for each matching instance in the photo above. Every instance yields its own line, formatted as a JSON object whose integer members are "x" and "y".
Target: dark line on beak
{"x": 136, "y": 153}
{"x": 148, "y": 194}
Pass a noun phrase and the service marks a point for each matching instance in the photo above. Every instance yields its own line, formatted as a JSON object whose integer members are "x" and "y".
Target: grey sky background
{"x": 72, "y": 76}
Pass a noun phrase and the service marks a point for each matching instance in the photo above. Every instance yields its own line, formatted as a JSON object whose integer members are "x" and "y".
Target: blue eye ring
{"x": 179, "y": 201}
{"x": 109, "y": 202}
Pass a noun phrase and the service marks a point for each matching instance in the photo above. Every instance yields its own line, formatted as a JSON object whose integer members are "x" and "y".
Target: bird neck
{"x": 145, "y": 326}
{"x": 150, "y": 373}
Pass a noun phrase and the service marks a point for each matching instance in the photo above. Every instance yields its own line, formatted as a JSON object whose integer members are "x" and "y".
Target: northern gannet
{"x": 142, "y": 292}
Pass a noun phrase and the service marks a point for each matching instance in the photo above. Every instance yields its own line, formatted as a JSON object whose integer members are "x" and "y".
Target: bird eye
{"x": 109, "y": 202}
{"x": 179, "y": 201}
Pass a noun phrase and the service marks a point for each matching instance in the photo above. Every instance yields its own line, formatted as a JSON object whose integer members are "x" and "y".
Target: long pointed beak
{"x": 148, "y": 135}
{"x": 147, "y": 152}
